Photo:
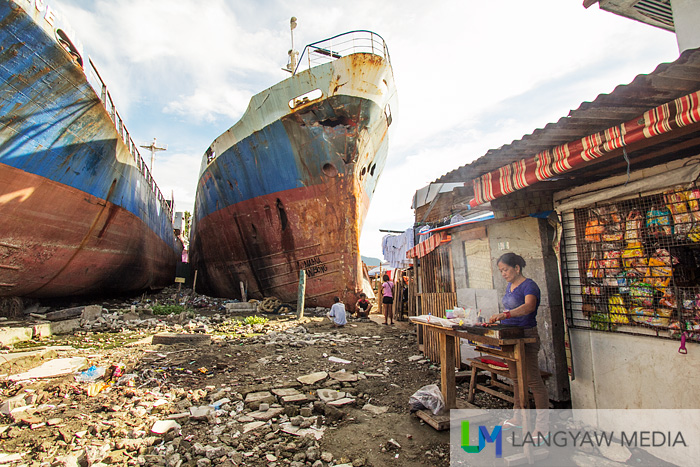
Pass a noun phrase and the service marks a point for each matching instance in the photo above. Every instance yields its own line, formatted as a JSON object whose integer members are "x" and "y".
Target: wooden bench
{"x": 495, "y": 384}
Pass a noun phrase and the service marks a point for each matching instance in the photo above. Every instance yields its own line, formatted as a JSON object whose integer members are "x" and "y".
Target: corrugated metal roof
{"x": 667, "y": 82}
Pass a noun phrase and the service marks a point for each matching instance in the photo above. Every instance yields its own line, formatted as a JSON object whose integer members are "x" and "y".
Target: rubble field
{"x": 139, "y": 383}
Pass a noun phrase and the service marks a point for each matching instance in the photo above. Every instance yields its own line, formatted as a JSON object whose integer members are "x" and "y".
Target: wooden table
{"x": 511, "y": 350}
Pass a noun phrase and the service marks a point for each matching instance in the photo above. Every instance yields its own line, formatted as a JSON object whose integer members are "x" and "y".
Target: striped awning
{"x": 663, "y": 119}
{"x": 428, "y": 245}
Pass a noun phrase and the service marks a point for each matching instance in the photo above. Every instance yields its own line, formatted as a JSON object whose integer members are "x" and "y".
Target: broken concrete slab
{"x": 201, "y": 413}
{"x": 281, "y": 392}
{"x": 317, "y": 433}
{"x": 252, "y": 426}
{"x": 170, "y": 338}
{"x": 329, "y": 395}
{"x": 374, "y": 409}
{"x": 267, "y": 414}
{"x": 251, "y": 307}
{"x": 342, "y": 402}
{"x": 52, "y": 368}
{"x": 313, "y": 378}
{"x": 344, "y": 376}
{"x": 67, "y": 313}
{"x": 296, "y": 399}
{"x": 254, "y": 399}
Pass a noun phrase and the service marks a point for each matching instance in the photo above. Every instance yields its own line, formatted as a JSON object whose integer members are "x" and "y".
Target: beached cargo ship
{"x": 288, "y": 186}
{"x": 79, "y": 211}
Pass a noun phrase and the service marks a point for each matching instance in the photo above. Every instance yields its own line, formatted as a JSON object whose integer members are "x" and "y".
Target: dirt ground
{"x": 66, "y": 420}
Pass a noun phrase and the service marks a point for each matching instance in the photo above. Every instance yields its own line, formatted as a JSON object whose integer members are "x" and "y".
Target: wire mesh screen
{"x": 633, "y": 266}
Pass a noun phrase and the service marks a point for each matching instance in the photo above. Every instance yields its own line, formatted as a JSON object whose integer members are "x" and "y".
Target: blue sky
{"x": 470, "y": 75}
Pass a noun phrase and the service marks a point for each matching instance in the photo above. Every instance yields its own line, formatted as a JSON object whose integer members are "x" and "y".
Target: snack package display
{"x": 633, "y": 226}
{"x": 658, "y": 222}
{"x": 617, "y": 310}
{"x": 593, "y": 229}
{"x": 642, "y": 294}
{"x": 693, "y": 197}
{"x": 676, "y": 204}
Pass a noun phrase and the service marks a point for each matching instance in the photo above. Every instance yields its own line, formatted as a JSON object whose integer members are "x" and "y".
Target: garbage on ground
{"x": 427, "y": 398}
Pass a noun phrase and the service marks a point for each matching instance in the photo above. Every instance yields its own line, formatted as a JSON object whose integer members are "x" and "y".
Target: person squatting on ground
{"x": 387, "y": 298}
{"x": 337, "y": 313}
{"x": 363, "y": 306}
{"x": 521, "y": 300}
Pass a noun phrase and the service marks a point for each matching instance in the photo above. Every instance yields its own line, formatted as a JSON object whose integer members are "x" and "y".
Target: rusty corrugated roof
{"x": 667, "y": 82}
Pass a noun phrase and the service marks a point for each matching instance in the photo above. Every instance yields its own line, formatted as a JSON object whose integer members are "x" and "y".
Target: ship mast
{"x": 293, "y": 54}
{"x": 153, "y": 147}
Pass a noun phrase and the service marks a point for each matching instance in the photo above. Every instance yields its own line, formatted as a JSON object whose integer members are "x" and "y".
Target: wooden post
{"x": 244, "y": 297}
{"x": 194, "y": 282}
{"x": 447, "y": 370}
{"x": 302, "y": 292}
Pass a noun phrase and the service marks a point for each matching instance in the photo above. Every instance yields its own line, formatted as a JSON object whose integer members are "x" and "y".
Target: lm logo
{"x": 484, "y": 437}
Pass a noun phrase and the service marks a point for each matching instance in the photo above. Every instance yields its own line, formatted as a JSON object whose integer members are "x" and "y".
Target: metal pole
{"x": 302, "y": 292}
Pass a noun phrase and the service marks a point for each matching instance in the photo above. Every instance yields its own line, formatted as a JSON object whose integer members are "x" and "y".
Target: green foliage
{"x": 255, "y": 320}
{"x": 167, "y": 309}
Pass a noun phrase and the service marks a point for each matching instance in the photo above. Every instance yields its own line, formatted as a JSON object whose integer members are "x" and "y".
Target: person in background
{"x": 337, "y": 313}
{"x": 521, "y": 300}
{"x": 363, "y": 306}
{"x": 387, "y": 298}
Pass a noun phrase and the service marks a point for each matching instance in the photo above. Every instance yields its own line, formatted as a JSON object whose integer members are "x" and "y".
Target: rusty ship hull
{"x": 288, "y": 187}
{"x": 80, "y": 213}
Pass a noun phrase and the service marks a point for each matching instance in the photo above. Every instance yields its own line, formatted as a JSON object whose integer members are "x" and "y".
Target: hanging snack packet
{"x": 693, "y": 197}
{"x": 593, "y": 229}
{"x": 642, "y": 294}
{"x": 658, "y": 222}
{"x": 633, "y": 226}
{"x": 676, "y": 204}
{"x": 618, "y": 312}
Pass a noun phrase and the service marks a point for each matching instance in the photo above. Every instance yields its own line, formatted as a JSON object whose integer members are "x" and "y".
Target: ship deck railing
{"x": 348, "y": 43}
{"x": 106, "y": 99}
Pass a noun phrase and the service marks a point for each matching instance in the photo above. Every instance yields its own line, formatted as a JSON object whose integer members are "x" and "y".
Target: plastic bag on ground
{"x": 427, "y": 398}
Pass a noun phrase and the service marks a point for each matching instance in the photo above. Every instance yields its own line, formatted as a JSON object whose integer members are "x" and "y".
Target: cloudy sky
{"x": 471, "y": 75}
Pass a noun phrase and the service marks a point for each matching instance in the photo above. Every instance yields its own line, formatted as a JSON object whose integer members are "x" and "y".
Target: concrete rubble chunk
{"x": 201, "y": 413}
{"x": 342, "y": 402}
{"x": 281, "y": 392}
{"x": 329, "y": 395}
{"x": 252, "y": 426}
{"x": 296, "y": 399}
{"x": 267, "y": 414}
{"x": 414, "y": 358}
{"x": 163, "y": 426}
{"x": 615, "y": 452}
{"x": 169, "y": 338}
{"x": 344, "y": 376}
{"x": 259, "y": 397}
{"x": 91, "y": 313}
{"x": 67, "y": 313}
{"x": 374, "y": 409}
{"x": 317, "y": 433}
{"x": 313, "y": 378}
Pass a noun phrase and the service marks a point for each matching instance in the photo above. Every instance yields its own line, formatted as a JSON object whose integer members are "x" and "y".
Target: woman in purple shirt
{"x": 520, "y": 302}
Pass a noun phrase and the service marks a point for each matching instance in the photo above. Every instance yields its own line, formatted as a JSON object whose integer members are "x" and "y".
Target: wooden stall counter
{"x": 508, "y": 339}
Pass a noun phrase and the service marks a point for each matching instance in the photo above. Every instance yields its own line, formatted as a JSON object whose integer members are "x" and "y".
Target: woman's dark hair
{"x": 385, "y": 277}
{"x": 336, "y": 299}
{"x": 512, "y": 260}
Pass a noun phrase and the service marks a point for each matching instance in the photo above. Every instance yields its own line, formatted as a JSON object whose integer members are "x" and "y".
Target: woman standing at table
{"x": 521, "y": 300}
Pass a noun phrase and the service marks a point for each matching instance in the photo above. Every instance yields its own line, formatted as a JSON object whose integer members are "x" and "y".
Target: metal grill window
{"x": 633, "y": 266}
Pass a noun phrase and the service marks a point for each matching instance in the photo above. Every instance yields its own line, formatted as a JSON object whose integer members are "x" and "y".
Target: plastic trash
{"x": 427, "y": 398}
{"x": 91, "y": 374}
